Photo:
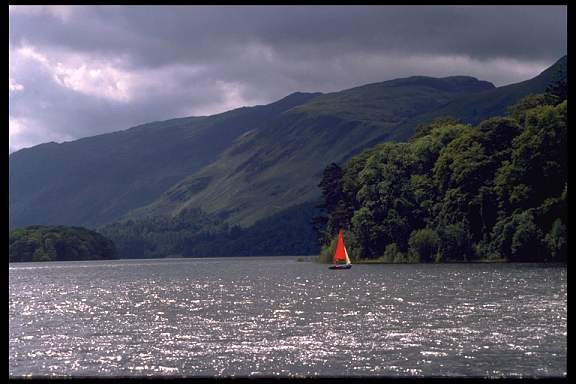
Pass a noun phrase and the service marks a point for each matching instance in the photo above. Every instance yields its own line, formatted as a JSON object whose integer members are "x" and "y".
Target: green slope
{"x": 242, "y": 166}
{"x": 278, "y": 165}
{"x": 98, "y": 179}
{"x": 476, "y": 107}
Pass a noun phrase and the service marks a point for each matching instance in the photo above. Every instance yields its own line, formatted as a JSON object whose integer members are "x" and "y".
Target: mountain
{"x": 277, "y": 165}
{"x": 476, "y": 107}
{"x": 95, "y": 180}
{"x": 241, "y": 166}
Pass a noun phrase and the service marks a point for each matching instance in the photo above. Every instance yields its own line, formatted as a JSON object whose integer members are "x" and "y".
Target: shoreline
{"x": 378, "y": 262}
{"x": 496, "y": 261}
{"x": 305, "y": 259}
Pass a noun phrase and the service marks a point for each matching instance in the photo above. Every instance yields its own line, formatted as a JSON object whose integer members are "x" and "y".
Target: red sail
{"x": 340, "y": 254}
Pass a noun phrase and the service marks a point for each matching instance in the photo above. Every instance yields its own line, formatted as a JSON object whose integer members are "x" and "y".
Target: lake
{"x": 280, "y": 317}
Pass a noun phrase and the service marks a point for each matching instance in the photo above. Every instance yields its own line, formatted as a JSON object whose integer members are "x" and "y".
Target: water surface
{"x": 280, "y": 317}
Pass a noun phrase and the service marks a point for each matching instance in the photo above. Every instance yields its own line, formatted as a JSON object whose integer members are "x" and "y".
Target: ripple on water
{"x": 270, "y": 318}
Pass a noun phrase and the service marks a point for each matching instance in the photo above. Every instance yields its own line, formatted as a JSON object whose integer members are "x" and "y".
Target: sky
{"x": 79, "y": 71}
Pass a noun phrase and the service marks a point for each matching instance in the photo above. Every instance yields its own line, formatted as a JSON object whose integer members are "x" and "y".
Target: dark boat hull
{"x": 341, "y": 266}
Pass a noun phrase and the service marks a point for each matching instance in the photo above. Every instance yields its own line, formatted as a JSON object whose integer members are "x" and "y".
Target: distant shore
{"x": 377, "y": 261}
{"x": 380, "y": 261}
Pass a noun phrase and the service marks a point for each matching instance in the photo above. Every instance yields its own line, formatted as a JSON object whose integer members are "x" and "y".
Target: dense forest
{"x": 192, "y": 233}
{"x": 58, "y": 243}
{"x": 455, "y": 192}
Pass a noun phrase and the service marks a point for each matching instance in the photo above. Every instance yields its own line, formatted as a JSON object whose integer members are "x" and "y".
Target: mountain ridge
{"x": 241, "y": 166}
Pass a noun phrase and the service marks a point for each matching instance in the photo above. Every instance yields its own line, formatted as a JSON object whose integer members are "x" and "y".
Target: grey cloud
{"x": 268, "y": 52}
{"x": 156, "y": 35}
{"x": 58, "y": 113}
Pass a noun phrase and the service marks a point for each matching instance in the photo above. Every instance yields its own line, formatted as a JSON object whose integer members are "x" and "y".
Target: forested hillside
{"x": 456, "y": 192}
{"x": 96, "y": 180}
{"x": 276, "y": 165}
{"x": 234, "y": 183}
{"x": 192, "y": 233}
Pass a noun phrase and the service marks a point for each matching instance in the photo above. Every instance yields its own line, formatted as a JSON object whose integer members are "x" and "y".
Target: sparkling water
{"x": 280, "y": 317}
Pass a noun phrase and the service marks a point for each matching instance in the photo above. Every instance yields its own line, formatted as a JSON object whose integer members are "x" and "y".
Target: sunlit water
{"x": 277, "y": 316}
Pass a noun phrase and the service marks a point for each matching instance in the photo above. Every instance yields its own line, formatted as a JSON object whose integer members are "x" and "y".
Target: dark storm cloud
{"x": 158, "y": 35}
{"x": 161, "y": 62}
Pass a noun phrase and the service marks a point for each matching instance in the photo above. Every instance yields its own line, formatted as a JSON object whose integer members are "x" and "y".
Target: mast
{"x": 347, "y": 257}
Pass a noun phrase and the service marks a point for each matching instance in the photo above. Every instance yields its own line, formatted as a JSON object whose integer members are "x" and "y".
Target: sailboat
{"x": 341, "y": 259}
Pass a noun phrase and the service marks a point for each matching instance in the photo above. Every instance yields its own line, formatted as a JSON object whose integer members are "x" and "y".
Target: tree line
{"x": 193, "y": 233}
{"x": 58, "y": 243}
{"x": 455, "y": 192}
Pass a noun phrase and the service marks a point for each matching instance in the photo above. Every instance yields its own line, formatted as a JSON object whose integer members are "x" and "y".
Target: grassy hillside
{"x": 473, "y": 108}
{"x": 241, "y": 167}
{"x": 98, "y": 179}
{"x": 277, "y": 165}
